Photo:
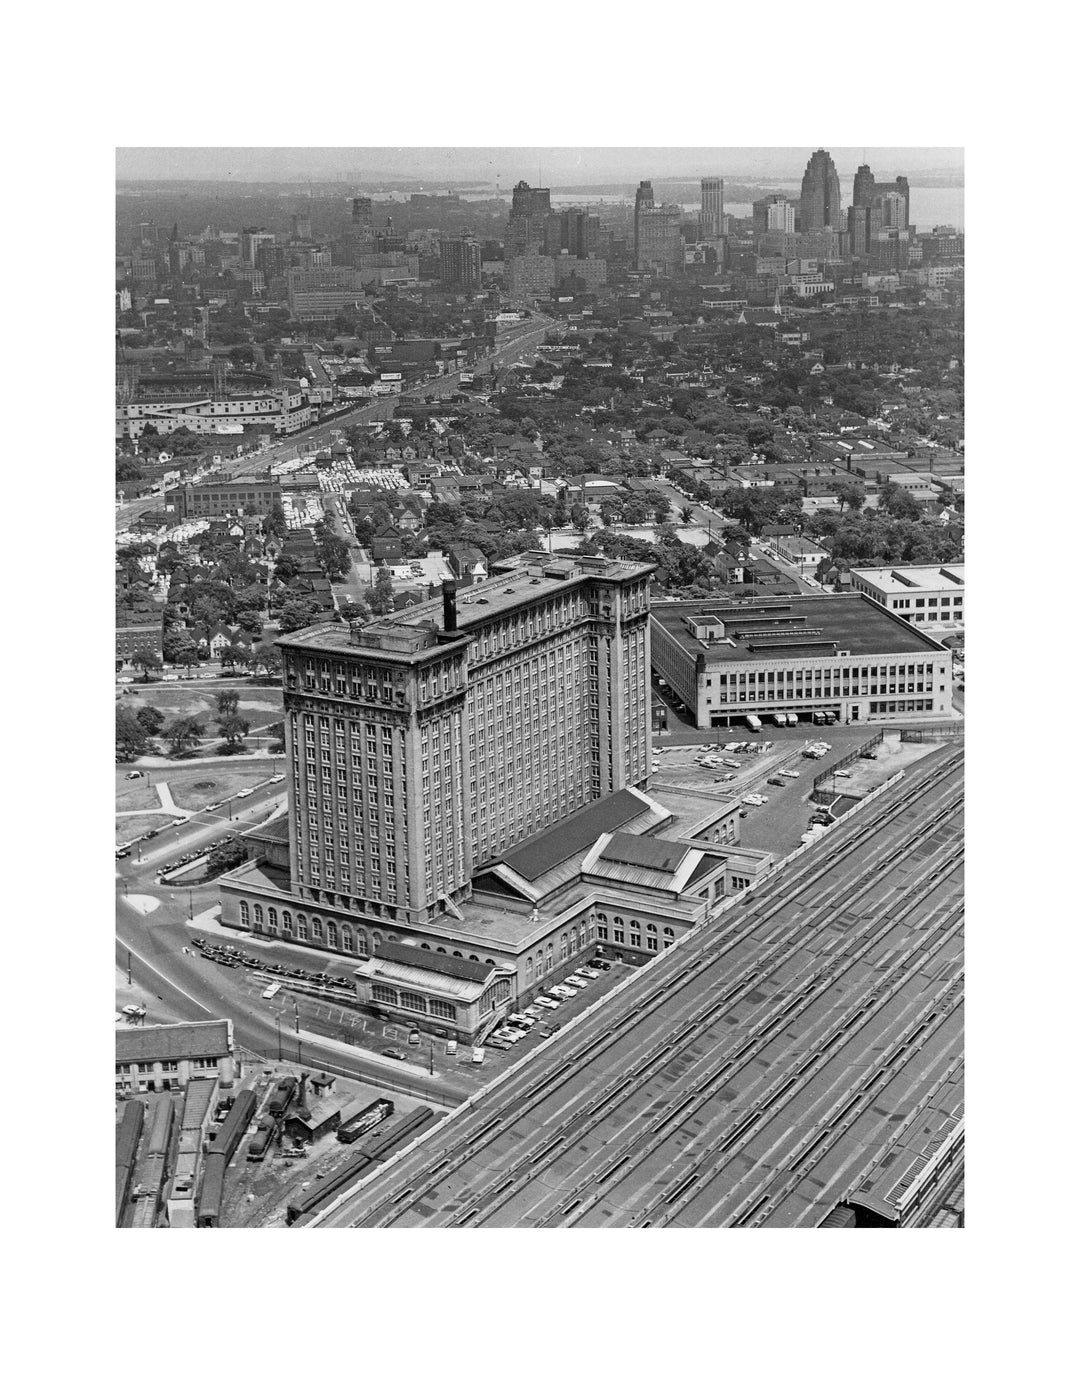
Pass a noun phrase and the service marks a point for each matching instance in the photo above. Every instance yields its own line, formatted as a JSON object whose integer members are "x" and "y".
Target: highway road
{"x": 747, "y": 1078}
{"x": 515, "y": 344}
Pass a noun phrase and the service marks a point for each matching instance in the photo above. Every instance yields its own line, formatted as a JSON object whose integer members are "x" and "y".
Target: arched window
{"x": 573, "y": 940}
{"x": 347, "y": 938}
{"x": 286, "y": 921}
{"x": 550, "y": 955}
{"x": 438, "y": 1008}
{"x": 440, "y": 950}
{"x": 316, "y": 929}
{"x": 528, "y": 970}
{"x": 562, "y": 946}
{"x": 424, "y": 945}
{"x": 361, "y": 941}
{"x": 376, "y": 941}
{"x": 650, "y": 937}
{"x": 271, "y": 918}
{"x": 491, "y": 962}
{"x": 245, "y": 914}
{"x": 258, "y": 914}
{"x": 459, "y": 955}
{"x": 301, "y": 925}
{"x": 669, "y": 937}
{"x": 475, "y": 957}
{"x": 635, "y": 933}
{"x": 331, "y": 933}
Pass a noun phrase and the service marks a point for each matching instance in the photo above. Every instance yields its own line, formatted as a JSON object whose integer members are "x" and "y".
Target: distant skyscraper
{"x": 301, "y": 226}
{"x": 867, "y": 188}
{"x": 459, "y": 263}
{"x": 527, "y": 226}
{"x": 773, "y": 214}
{"x": 819, "y": 203}
{"x": 657, "y": 238}
{"x": 712, "y": 207}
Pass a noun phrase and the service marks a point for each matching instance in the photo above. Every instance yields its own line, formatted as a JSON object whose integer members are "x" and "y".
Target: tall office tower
{"x": 459, "y": 263}
{"x": 574, "y": 231}
{"x": 418, "y": 750}
{"x": 363, "y": 214}
{"x": 867, "y": 188}
{"x": 773, "y": 214}
{"x": 527, "y": 225}
{"x": 301, "y": 226}
{"x": 658, "y": 241}
{"x": 712, "y": 207}
{"x": 819, "y": 203}
{"x": 250, "y": 239}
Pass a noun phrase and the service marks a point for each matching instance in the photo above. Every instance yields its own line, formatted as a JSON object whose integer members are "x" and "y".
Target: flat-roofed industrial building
{"x": 840, "y": 653}
{"x": 925, "y": 594}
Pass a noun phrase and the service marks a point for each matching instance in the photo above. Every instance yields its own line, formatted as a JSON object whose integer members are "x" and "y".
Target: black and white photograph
{"x": 540, "y": 688}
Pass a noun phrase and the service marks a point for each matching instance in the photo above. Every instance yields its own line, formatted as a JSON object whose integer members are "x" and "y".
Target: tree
{"x": 898, "y": 502}
{"x": 848, "y": 494}
{"x": 131, "y": 738}
{"x": 242, "y": 656}
{"x": 686, "y": 514}
{"x": 147, "y": 661}
{"x": 277, "y": 735}
{"x": 579, "y": 518}
{"x": 250, "y": 621}
{"x": 226, "y": 856}
{"x": 228, "y": 656}
{"x": 267, "y": 658}
{"x": 150, "y": 719}
{"x": 233, "y": 728}
{"x": 175, "y": 645}
{"x": 228, "y": 702}
{"x": 296, "y": 613}
{"x": 381, "y": 596}
{"x": 182, "y": 735}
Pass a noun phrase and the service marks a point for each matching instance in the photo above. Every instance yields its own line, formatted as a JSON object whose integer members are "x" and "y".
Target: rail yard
{"x": 760, "y": 1074}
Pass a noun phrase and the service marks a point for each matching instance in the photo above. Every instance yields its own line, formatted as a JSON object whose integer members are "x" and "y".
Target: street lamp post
{"x": 129, "y": 968}
{"x": 279, "y": 1056}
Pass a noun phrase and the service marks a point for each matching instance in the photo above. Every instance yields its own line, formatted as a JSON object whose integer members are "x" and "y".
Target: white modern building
{"x": 926, "y": 594}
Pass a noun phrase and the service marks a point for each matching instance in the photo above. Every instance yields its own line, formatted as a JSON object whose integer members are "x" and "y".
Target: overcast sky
{"x": 540, "y": 166}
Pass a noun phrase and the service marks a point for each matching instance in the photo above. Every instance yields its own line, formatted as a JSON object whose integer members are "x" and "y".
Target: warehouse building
{"x": 926, "y": 594}
{"x": 843, "y": 654}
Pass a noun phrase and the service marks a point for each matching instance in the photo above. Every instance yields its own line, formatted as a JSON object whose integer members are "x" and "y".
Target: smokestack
{"x": 449, "y": 605}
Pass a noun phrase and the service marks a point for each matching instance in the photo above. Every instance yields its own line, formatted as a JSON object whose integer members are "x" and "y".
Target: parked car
{"x": 394, "y": 1053}
{"x": 550, "y": 1003}
{"x": 586, "y": 973}
{"x": 576, "y": 981}
{"x": 789, "y": 773}
{"x": 777, "y": 783}
{"x": 843, "y": 773}
{"x": 134, "y": 773}
{"x": 212, "y": 806}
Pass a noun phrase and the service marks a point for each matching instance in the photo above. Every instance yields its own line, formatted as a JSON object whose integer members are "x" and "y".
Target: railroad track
{"x": 888, "y": 852}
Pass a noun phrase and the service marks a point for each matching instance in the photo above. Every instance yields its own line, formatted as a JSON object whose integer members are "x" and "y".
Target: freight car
{"x": 364, "y": 1120}
{"x": 234, "y": 1126}
{"x": 210, "y": 1192}
{"x": 380, "y": 1145}
{"x": 127, "y": 1144}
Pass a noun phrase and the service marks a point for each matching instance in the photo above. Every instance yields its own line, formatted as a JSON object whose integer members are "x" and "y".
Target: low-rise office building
{"x": 842, "y": 653}
{"x": 926, "y": 594}
{"x": 168, "y": 1057}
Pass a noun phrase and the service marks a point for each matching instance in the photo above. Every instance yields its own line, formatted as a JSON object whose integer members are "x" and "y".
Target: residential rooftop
{"x": 805, "y": 627}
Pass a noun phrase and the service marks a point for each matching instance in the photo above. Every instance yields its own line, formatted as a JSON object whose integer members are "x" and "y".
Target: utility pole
{"x": 279, "y": 1056}
{"x": 129, "y": 968}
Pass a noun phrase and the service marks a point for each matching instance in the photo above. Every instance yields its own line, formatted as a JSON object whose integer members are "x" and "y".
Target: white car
{"x": 212, "y": 806}
{"x": 245, "y": 792}
{"x": 843, "y": 773}
{"x": 788, "y": 773}
{"x": 565, "y": 991}
{"x": 576, "y": 980}
{"x": 550, "y": 1003}
{"x": 754, "y": 800}
{"x": 586, "y": 973}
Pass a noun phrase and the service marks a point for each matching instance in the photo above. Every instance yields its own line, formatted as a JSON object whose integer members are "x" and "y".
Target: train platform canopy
{"x": 174, "y": 1041}
{"x": 524, "y": 869}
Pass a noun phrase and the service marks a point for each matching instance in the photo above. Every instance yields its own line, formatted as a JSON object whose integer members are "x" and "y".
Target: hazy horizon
{"x": 552, "y": 167}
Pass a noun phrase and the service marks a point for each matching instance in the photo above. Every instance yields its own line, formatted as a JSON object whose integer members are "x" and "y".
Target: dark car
{"x": 123, "y": 854}
{"x": 275, "y": 969}
{"x": 299, "y": 973}
{"x": 777, "y": 783}
{"x": 393, "y": 1053}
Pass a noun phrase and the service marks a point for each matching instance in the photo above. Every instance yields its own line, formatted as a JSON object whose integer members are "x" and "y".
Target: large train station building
{"x": 463, "y": 784}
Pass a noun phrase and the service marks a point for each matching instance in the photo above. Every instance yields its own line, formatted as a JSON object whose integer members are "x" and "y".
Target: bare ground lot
{"x": 135, "y": 794}
{"x": 212, "y": 782}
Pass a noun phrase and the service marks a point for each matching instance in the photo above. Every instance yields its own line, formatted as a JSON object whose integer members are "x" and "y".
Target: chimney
{"x": 449, "y": 605}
